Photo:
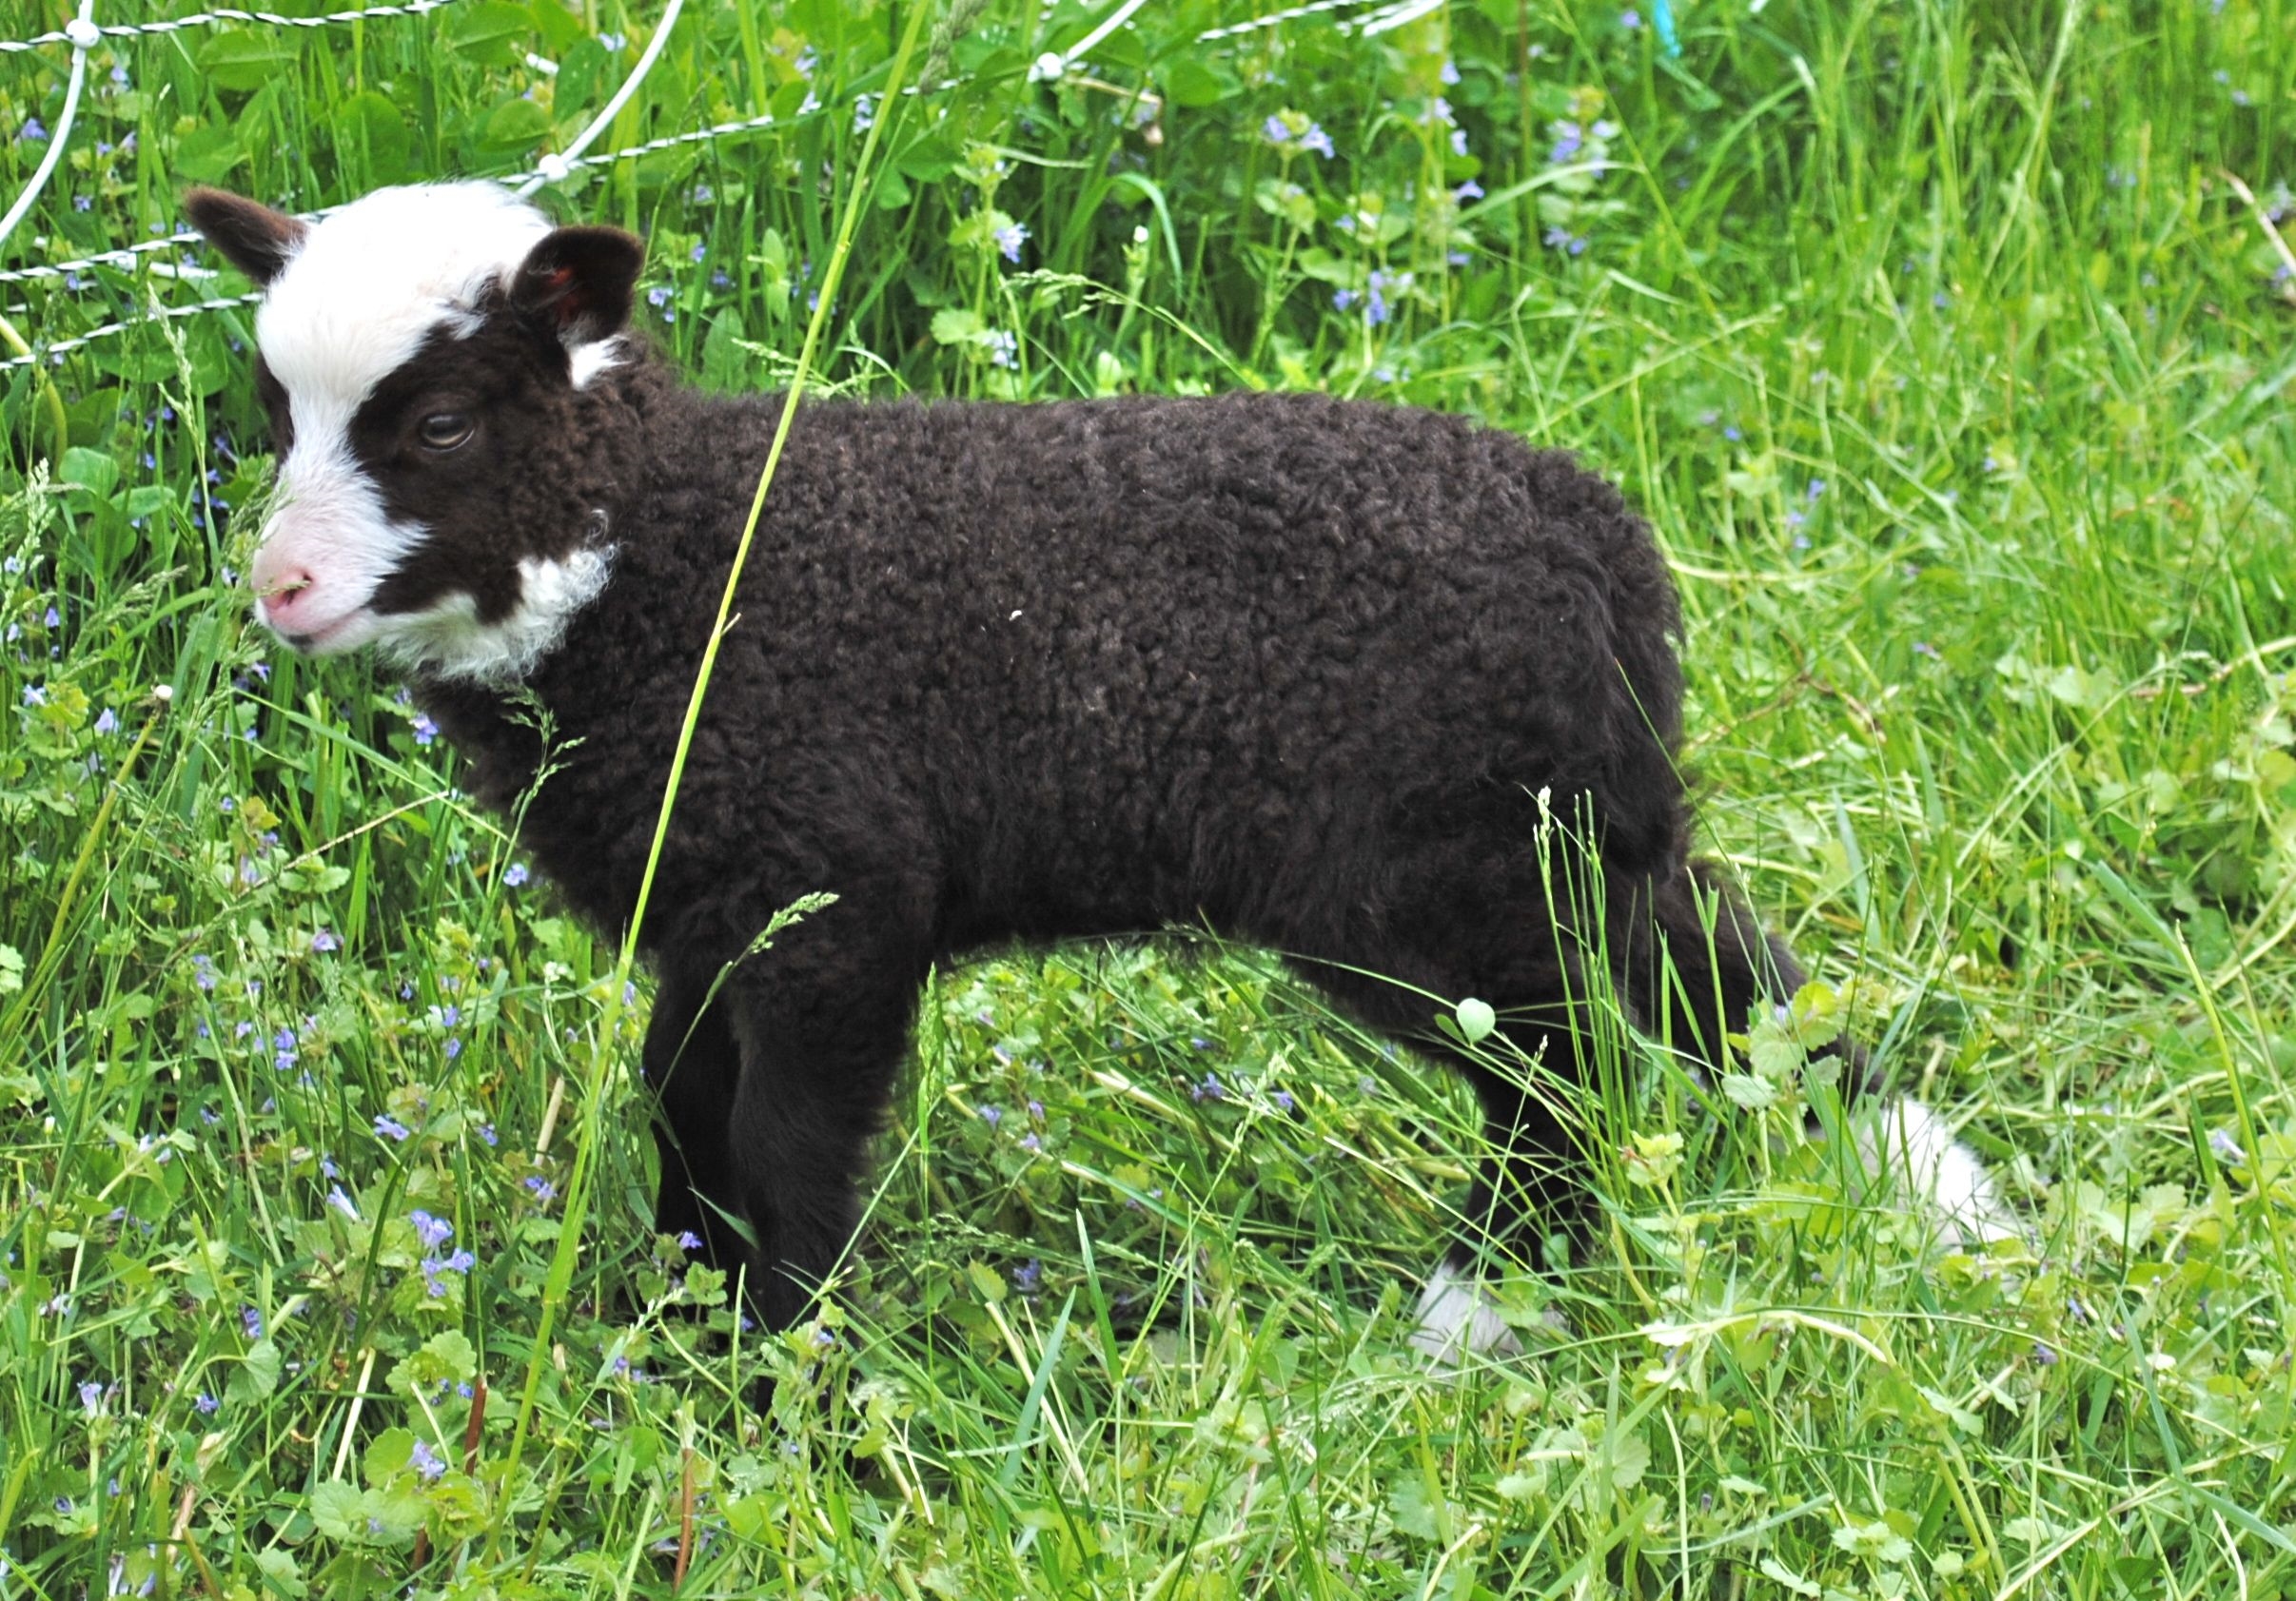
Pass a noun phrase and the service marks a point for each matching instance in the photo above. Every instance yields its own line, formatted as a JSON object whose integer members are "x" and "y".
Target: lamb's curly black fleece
{"x": 1294, "y": 667}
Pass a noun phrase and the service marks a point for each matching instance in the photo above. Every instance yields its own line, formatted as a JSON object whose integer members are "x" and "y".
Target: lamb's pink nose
{"x": 287, "y": 591}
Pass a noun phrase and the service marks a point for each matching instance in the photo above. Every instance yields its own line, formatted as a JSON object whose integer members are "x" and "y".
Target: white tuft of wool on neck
{"x": 449, "y": 641}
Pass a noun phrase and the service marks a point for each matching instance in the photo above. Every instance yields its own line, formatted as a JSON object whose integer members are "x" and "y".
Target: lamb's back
{"x": 1124, "y": 651}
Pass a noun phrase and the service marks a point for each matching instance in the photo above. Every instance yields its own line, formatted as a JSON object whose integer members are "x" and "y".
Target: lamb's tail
{"x": 1906, "y": 1144}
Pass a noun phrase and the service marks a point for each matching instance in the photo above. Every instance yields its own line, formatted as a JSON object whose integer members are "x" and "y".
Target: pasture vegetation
{"x": 1951, "y": 365}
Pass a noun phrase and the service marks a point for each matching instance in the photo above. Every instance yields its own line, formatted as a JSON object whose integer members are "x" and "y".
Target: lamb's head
{"x": 428, "y": 357}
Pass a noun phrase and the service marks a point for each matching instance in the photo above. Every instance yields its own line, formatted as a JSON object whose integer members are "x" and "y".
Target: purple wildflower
{"x": 425, "y": 731}
{"x": 428, "y": 1464}
{"x": 461, "y": 1262}
{"x": 514, "y": 875}
{"x": 389, "y": 1127}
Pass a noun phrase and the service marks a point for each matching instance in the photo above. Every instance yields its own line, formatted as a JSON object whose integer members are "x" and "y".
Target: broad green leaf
{"x": 491, "y": 32}
{"x": 207, "y": 154}
{"x": 957, "y": 324}
{"x": 369, "y": 128}
{"x": 248, "y": 58}
{"x": 94, "y": 470}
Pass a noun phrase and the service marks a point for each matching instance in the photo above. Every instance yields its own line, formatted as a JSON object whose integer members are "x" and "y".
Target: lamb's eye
{"x": 444, "y": 430}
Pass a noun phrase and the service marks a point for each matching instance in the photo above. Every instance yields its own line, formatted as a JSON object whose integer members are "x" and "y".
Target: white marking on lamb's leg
{"x": 1940, "y": 1176}
{"x": 1457, "y": 1321}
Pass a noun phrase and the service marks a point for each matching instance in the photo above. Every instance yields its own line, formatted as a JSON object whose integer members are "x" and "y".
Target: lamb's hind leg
{"x": 1531, "y": 1182}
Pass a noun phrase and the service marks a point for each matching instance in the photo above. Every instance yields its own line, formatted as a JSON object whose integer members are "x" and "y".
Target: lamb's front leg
{"x": 817, "y": 1072}
{"x": 694, "y": 1068}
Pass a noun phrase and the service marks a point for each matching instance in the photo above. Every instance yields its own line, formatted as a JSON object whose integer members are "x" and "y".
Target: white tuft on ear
{"x": 585, "y": 361}
{"x": 1457, "y": 1323}
{"x": 1937, "y": 1175}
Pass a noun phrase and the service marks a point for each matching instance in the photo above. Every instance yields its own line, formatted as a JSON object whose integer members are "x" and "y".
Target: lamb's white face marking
{"x": 365, "y": 290}
{"x": 1457, "y": 1323}
{"x": 1940, "y": 1176}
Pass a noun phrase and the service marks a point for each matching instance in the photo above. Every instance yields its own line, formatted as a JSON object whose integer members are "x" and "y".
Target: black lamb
{"x": 1367, "y": 685}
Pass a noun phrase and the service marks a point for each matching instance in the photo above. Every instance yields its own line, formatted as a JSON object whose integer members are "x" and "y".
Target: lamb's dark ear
{"x": 577, "y": 282}
{"x": 252, "y": 237}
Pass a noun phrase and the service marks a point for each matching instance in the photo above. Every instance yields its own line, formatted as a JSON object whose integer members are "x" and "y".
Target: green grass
{"x": 1953, "y": 373}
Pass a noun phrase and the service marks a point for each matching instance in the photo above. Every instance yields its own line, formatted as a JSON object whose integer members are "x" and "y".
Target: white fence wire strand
{"x": 1054, "y": 64}
{"x": 555, "y": 168}
{"x": 157, "y": 314}
{"x": 207, "y": 19}
{"x": 1277, "y": 19}
{"x": 82, "y": 34}
{"x": 558, "y": 164}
